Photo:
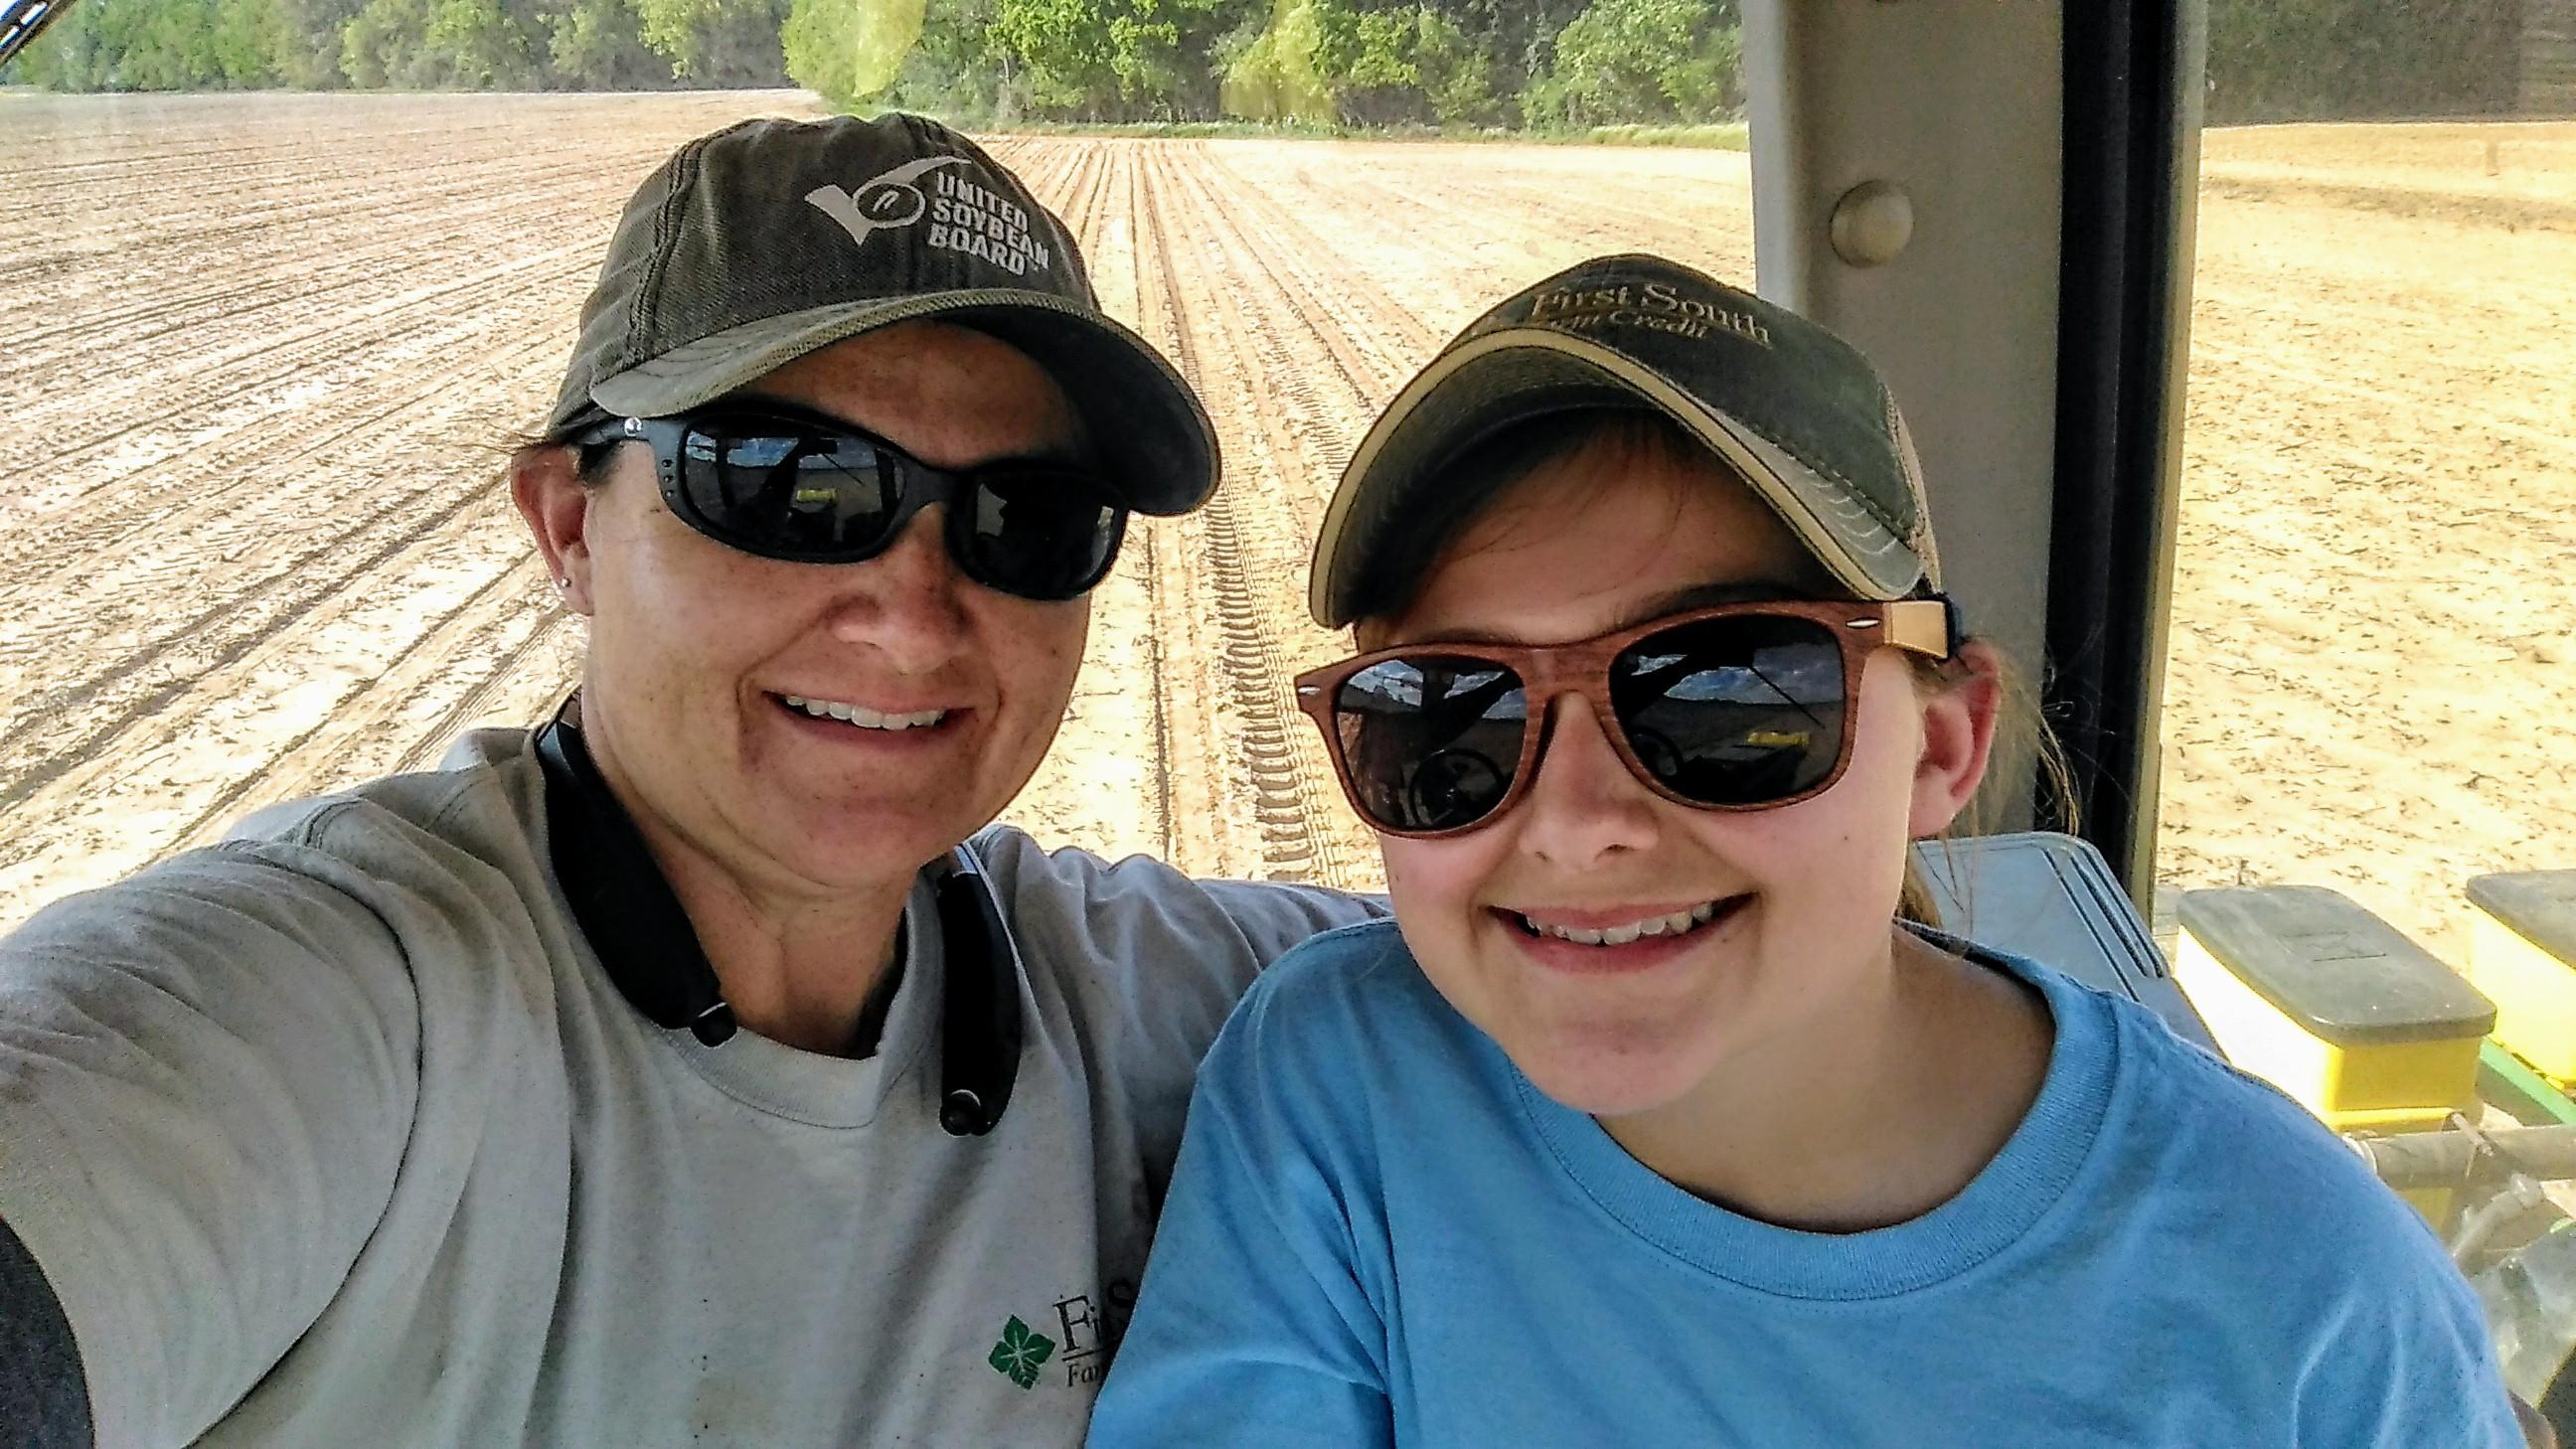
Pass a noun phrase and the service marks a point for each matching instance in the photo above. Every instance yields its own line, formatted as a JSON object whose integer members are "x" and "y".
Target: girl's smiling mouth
{"x": 1620, "y": 938}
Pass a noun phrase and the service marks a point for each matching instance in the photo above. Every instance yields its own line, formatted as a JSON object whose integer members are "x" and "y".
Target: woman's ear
{"x": 1958, "y": 736}
{"x": 545, "y": 482}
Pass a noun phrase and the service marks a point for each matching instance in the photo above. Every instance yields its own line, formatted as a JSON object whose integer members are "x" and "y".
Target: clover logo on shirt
{"x": 1020, "y": 1353}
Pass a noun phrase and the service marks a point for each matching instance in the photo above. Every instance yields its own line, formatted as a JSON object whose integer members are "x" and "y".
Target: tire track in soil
{"x": 1165, "y": 554}
{"x": 1252, "y": 667}
{"x": 1295, "y": 307}
{"x": 1396, "y": 335}
{"x": 1098, "y": 787}
{"x": 1188, "y": 730}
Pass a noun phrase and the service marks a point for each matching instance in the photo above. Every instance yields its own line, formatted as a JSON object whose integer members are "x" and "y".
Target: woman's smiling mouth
{"x": 860, "y": 715}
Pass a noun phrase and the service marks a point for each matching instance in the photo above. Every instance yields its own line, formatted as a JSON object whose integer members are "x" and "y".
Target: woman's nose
{"x": 906, "y": 603}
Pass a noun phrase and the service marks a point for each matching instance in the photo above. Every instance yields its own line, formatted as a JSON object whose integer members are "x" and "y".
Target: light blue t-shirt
{"x": 1381, "y": 1233}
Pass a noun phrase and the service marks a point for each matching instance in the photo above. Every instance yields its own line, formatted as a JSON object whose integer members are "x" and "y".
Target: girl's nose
{"x": 1583, "y": 804}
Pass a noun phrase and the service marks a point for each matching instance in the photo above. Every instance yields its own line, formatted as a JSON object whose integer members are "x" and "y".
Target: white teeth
{"x": 862, "y": 716}
{"x": 1678, "y": 923}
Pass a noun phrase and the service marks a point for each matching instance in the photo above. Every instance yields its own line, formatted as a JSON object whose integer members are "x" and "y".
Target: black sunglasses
{"x": 1737, "y": 707}
{"x": 781, "y": 483}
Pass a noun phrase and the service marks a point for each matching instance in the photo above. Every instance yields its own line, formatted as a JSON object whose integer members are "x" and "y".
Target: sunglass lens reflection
{"x": 1733, "y": 711}
{"x": 810, "y": 493}
{"x": 1431, "y": 742}
{"x": 1041, "y": 535}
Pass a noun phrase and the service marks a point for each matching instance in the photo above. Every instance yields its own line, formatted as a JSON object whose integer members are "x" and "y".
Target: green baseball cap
{"x": 1794, "y": 409}
{"x": 767, "y": 240}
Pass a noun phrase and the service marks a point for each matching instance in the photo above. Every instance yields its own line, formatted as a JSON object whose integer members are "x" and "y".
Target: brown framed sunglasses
{"x": 1734, "y": 707}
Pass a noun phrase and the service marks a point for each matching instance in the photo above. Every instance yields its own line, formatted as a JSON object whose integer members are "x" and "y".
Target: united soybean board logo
{"x": 969, "y": 219}
{"x": 1021, "y": 1353}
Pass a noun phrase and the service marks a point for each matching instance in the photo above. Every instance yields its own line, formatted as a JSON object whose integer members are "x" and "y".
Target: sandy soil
{"x": 262, "y": 354}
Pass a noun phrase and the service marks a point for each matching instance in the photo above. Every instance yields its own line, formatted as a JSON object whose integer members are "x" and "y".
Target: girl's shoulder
{"x": 2184, "y": 1128}
{"x": 1347, "y": 1021}
{"x": 1329, "y": 977}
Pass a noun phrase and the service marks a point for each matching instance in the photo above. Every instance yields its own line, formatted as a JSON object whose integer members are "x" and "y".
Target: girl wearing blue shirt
{"x": 1654, "y": 1118}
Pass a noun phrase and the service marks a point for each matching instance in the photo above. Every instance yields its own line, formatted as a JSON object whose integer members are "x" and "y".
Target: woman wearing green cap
{"x": 1655, "y": 1116}
{"x": 704, "y": 1067}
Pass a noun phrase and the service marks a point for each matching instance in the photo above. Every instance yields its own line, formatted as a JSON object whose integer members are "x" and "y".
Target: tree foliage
{"x": 843, "y": 50}
{"x": 599, "y": 45}
{"x": 443, "y": 45}
{"x": 1363, "y": 62}
{"x": 717, "y": 42}
{"x": 1641, "y": 60}
{"x": 168, "y": 45}
{"x": 1114, "y": 59}
{"x": 158, "y": 45}
{"x": 1556, "y": 64}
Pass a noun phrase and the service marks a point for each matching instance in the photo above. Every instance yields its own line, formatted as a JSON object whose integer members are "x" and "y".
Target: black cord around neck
{"x": 648, "y": 947}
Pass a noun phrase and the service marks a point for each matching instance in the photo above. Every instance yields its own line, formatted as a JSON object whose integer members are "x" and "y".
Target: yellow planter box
{"x": 2304, "y": 988}
{"x": 2522, "y": 953}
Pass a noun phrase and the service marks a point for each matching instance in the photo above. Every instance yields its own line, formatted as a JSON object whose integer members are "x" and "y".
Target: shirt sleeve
{"x": 1254, "y": 1326}
{"x": 1151, "y": 961}
{"x": 206, "y": 1082}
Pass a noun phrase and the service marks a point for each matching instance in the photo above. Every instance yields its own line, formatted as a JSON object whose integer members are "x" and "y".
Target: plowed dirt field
{"x": 261, "y": 358}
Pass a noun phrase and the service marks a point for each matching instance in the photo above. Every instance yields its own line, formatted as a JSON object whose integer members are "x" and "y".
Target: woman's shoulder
{"x": 375, "y": 875}
{"x": 1075, "y": 891}
{"x": 486, "y": 799}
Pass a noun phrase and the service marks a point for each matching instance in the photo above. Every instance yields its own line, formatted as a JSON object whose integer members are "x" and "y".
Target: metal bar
{"x": 1962, "y": 118}
{"x": 2443, "y": 1158}
{"x": 2507, "y": 1081}
{"x": 21, "y": 21}
{"x": 2133, "y": 80}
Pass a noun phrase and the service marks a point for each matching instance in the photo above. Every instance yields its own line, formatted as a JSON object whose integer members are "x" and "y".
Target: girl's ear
{"x": 1958, "y": 737}
{"x": 545, "y": 483}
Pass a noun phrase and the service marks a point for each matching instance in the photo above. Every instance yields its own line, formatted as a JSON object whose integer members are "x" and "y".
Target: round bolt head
{"x": 1872, "y": 223}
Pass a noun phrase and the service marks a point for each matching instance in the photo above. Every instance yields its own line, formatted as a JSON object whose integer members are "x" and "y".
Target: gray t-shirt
{"x": 337, "y": 1134}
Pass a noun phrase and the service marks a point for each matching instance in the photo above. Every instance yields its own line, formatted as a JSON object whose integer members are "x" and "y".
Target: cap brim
{"x": 1507, "y": 376}
{"x": 1155, "y": 442}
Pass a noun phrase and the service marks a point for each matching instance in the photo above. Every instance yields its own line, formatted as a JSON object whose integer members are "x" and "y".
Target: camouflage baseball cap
{"x": 1794, "y": 409}
{"x": 767, "y": 240}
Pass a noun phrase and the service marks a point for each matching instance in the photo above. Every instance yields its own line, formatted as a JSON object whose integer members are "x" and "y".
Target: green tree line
{"x": 1353, "y": 62}
{"x": 164, "y": 45}
{"x": 1553, "y": 64}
